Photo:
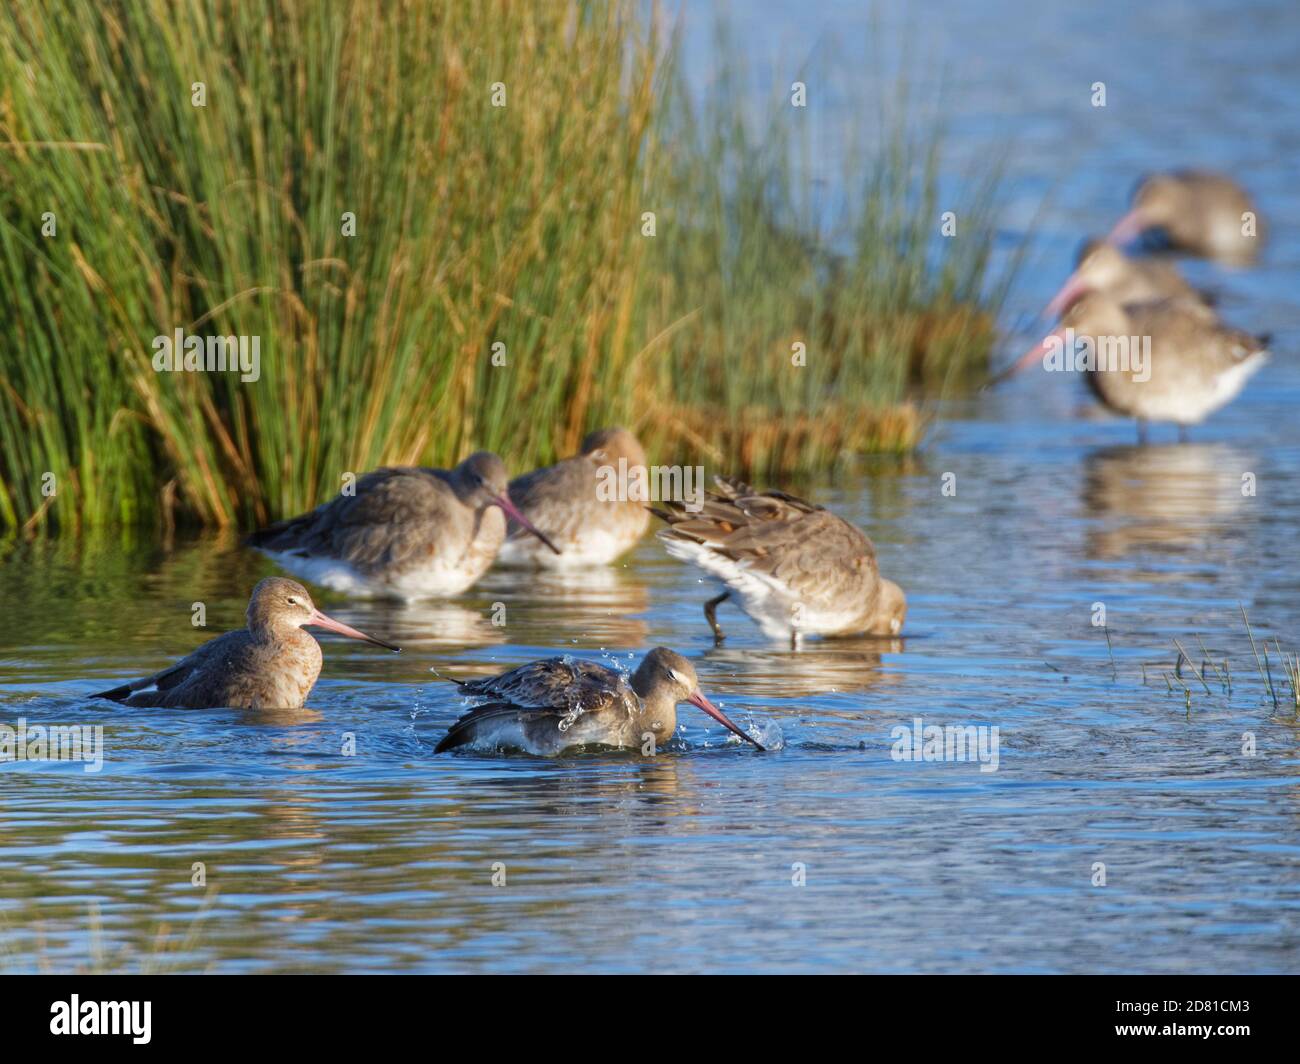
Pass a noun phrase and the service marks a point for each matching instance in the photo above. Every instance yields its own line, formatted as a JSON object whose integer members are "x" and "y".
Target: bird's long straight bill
{"x": 1127, "y": 229}
{"x": 1073, "y": 288}
{"x": 717, "y": 714}
{"x": 512, "y": 512}
{"x": 321, "y": 621}
{"x": 1034, "y": 354}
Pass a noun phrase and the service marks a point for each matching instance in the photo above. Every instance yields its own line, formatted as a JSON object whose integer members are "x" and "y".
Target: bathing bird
{"x": 406, "y": 532}
{"x": 797, "y": 568}
{"x": 1197, "y": 213}
{"x": 271, "y": 664}
{"x": 1158, "y": 361}
{"x": 588, "y": 505}
{"x": 557, "y": 704}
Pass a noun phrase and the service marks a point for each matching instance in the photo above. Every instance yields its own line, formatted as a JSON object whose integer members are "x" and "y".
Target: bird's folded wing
{"x": 176, "y": 674}
{"x": 389, "y": 519}
{"x": 549, "y": 684}
{"x": 761, "y": 528}
{"x": 532, "y": 488}
{"x": 546, "y": 495}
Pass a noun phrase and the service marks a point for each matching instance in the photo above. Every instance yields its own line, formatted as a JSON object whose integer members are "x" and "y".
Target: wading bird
{"x": 549, "y": 706}
{"x": 1160, "y": 361}
{"x": 1197, "y": 213}
{"x": 405, "y": 532}
{"x": 271, "y": 664}
{"x": 797, "y": 568}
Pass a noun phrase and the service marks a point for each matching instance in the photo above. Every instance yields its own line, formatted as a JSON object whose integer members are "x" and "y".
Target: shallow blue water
{"x": 689, "y": 861}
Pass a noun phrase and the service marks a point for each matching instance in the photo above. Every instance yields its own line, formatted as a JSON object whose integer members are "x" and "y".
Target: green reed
{"x": 475, "y": 225}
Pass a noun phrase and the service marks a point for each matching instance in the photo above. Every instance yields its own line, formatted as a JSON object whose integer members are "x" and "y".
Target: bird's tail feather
{"x": 116, "y": 694}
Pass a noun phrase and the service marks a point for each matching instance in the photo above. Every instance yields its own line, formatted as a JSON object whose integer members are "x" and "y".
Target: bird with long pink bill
{"x": 271, "y": 664}
{"x": 1102, "y": 267}
{"x": 404, "y": 532}
{"x": 1197, "y": 213}
{"x": 555, "y": 705}
{"x": 1158, "y": 361}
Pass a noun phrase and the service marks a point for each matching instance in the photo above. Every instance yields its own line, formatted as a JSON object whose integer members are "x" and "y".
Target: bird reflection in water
{"x": 1172, "y": 497}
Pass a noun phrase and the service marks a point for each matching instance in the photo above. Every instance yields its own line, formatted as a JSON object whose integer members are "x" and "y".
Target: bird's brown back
{"x": 397, "y": 516}
{"x": 774, "y": 532}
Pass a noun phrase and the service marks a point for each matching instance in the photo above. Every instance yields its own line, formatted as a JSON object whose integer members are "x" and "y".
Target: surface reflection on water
{"x": 1178, "y": 497}
{"x": 315, "y": 859}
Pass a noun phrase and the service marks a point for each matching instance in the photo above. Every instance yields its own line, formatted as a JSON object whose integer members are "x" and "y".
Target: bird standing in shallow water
{"x": 408, "y": 532}
{"x": 797, "y": 568}
{"x": 549, "y": 706}
{"x": 271, "y": 664}
{"x": 1195, "y": 364}
{"x": 567, "y": 500}
{"x": 1199, "y": 213}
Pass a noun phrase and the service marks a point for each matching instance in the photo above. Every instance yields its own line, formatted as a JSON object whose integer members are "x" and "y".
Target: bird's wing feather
{"x": 549, "y": 690}
{"x": 389, "y": 520}
{"x": 178, "y": 673}
{"x": 550, "y": 684}
{"x": 758, "y": 528}
{"x": 1194, "y": 338}
{"x": 546, "y": 498}
{"x": 778, "y": 538}
{"x": 531, "y": 489}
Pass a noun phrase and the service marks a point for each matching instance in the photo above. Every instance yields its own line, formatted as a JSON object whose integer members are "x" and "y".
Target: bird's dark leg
{"x": 710, "y": 615}
{"x": 1182, "y": 433}
{"x": 1142, "y": 431}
